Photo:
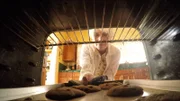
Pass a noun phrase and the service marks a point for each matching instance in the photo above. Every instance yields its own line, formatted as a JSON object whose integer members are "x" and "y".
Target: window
{"x": 131, "y": 52}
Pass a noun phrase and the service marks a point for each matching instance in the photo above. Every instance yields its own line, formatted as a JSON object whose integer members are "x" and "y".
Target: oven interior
{"x": 25, "y": 26}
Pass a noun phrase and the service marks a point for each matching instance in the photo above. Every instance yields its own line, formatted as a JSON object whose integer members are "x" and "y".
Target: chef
{"x": 100, "y": 58}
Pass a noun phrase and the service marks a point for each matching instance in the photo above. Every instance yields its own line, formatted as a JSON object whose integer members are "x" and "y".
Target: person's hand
{"x": 87, "y": 78}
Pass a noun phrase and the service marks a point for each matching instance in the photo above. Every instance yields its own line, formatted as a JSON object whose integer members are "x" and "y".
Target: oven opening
{"x": 49, "y": 44}
{"x": 63, "y": 52}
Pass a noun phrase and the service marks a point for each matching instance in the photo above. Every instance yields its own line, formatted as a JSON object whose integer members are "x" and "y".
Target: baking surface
{"x": 100, "y": 96}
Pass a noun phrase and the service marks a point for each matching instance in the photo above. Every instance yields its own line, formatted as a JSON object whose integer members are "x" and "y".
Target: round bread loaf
{"x": 88, "y": 88}
{"x": 125, "y": 91}
{"x": 64, "y": 93}
{"x": 107, "y": 86}
{"x": 80, "y": 87}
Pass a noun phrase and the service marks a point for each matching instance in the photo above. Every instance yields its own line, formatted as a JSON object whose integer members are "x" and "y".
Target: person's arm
{"x": 85, "y": 64}
{"x": 114, "y": 65}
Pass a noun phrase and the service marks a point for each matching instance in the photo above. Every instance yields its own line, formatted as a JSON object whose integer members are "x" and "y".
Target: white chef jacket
{"x": 89, "y": 60}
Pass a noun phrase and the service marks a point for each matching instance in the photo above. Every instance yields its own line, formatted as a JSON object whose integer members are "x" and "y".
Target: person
{"x": 99, "y": 59}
